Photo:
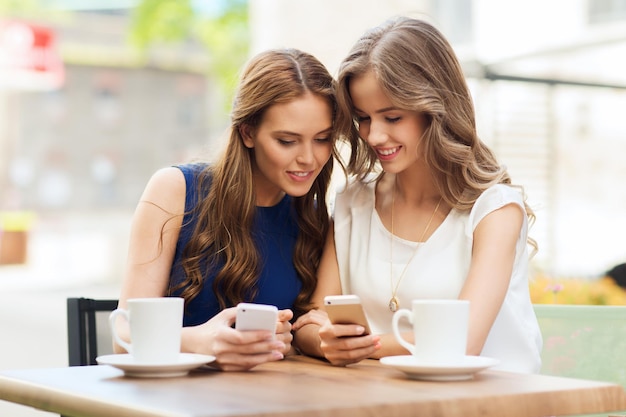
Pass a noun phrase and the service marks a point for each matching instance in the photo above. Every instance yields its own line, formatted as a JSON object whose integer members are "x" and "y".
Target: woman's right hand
{"x": 234, "y": 350}
{"x": 343, "y": 344}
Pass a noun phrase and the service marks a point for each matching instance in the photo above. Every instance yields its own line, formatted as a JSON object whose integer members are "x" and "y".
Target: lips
{"x": 300, "y": 175}
{"x": 387, "y": 153}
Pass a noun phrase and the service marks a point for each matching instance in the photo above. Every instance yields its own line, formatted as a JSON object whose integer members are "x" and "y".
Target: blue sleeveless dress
{"x": 275, "y": 231}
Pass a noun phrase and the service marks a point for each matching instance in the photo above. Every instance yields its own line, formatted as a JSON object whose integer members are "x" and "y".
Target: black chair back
{"x": 83, "y": 330}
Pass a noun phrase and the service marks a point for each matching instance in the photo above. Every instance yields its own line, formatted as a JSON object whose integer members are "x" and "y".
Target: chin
{"x": 298, "y": 191}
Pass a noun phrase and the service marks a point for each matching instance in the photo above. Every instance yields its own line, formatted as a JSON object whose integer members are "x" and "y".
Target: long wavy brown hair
{"x": 418, "y": 71}
{"x": 222, "y": 235}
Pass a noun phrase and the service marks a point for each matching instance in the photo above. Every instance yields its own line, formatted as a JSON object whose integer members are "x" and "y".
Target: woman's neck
{"x": 414, "y": 189}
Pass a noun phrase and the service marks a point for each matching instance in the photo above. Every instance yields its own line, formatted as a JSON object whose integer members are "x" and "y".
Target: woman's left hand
{"x": 318, "y": 317}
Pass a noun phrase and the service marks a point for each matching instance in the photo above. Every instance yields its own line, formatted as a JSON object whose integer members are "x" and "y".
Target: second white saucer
{"x": 460, "y": 370}
{"x": 185, "y": 363}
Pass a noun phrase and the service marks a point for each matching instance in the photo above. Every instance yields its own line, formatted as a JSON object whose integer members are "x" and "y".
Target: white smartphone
{"x": 252, "y": 316}
{"x": 346, "y": 309}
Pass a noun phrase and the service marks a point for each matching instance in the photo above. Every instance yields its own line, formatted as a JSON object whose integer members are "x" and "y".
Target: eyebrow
{"x": 298, "y": 135}
{"x": 383, "y": 110}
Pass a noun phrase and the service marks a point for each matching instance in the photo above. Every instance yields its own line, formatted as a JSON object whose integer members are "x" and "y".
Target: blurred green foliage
{"x": 14, "y": 6}
{"x": 37, "y": 11}
{"x": 224, "y": 33}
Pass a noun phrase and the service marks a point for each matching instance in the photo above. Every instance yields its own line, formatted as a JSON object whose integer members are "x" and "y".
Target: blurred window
{"x": 604, "y": 11}
{"x": 454, "y": 18}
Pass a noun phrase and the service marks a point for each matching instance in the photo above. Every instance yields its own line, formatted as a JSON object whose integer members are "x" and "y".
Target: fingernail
{"x": 277, "y": 355}
{"x": 278, "y": 345}
{"x": 360, "y": 329}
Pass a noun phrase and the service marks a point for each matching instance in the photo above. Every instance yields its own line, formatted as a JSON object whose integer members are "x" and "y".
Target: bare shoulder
{"x": 166, "y": 189}
{"x": 503, "y": 222}
{"x": 170, "y": 177}
{"x": 511, "y": 212}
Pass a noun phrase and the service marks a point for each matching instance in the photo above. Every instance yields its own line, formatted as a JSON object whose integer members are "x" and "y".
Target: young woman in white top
{"x": 429, "y": 212}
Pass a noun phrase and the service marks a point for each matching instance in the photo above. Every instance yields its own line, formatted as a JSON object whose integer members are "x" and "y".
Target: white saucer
{"x": 458, "y": 371}
{"x": 185, "y": 363}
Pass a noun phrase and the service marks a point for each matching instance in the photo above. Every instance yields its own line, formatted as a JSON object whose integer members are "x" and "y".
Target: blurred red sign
{"x": 29, "y": 58}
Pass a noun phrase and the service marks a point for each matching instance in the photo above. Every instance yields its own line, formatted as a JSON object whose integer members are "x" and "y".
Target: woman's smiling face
{"x": 393, "y": 133}
{"x": 291, "y": 145}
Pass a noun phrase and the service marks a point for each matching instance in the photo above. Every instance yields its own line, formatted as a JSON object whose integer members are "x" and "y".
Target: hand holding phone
{"x": 346, "y": 309}
{"x": 256, "y": 317}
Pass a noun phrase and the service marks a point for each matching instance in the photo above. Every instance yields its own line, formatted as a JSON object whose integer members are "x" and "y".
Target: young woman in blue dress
{"x": 249, "y": 227}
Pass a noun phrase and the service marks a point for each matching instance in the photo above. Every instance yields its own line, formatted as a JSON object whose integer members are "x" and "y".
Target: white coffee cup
{"x": 155, "y": 329}
{"x": 439, "y": 329}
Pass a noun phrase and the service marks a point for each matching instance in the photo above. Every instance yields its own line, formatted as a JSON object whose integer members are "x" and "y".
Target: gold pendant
{"x": 394, "y": 304}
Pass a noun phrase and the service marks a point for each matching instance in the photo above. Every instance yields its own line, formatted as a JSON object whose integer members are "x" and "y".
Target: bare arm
{"x": 306, "y": 328}
{"x": 493, "y": 255}
{"x": 315, "y": 335}
{"x": 153, "y": 235}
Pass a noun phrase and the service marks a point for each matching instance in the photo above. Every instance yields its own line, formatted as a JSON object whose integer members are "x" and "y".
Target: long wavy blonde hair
{"x": 225, "y": 216}
{"x": 418, "y": 71}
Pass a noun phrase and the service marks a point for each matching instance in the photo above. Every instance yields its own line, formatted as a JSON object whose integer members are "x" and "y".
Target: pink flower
{"x": 554, "y": 288}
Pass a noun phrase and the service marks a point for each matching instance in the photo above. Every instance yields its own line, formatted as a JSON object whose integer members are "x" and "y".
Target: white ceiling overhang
{"x": 597, "y": 63}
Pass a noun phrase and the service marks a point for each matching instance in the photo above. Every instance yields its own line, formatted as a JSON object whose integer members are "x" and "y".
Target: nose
{"x": 306, "y": 155}
{"x": 375, "y": 134}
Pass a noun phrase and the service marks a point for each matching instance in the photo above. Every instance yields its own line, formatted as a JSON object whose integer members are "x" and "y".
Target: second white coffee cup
{"x": 439, "y": 327}
{"x": 155, "y": 329}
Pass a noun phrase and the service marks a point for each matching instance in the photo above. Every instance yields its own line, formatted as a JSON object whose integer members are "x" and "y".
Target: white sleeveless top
{"x": 438, "y": 270}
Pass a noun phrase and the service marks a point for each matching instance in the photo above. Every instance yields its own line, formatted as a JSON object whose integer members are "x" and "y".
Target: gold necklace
{"x": 394, "y": 303}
